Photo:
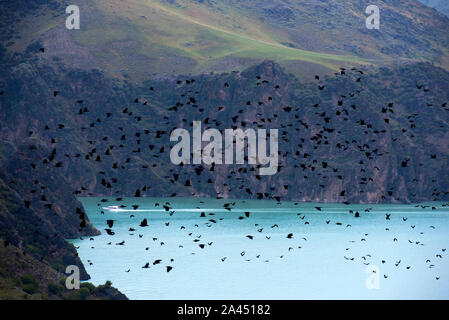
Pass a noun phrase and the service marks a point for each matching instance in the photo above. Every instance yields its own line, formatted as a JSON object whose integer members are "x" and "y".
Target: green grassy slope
{"x": 137, "y": 38}
{"x": 197, "y": 34}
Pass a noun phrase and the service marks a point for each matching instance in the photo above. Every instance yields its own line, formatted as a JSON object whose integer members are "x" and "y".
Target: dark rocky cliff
{"x": 374, "y": 135}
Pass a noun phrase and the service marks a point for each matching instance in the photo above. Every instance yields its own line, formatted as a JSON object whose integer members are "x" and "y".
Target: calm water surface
{"x": 330, "y": 254}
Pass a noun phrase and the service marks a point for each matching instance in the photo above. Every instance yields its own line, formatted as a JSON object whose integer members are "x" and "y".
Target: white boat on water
{"x": 112, "y": 208}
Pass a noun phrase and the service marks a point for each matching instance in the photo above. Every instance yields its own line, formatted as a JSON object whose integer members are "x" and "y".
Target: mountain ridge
{"x": 137, "y": 38}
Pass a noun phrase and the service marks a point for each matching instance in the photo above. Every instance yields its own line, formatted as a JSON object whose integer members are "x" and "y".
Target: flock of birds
{"x": 295, "y": 239}
{"x": 302, "y": 160}
{"x": 129, "y": 141}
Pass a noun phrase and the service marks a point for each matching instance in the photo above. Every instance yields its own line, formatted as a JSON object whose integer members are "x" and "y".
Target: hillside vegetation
{"x": 139, "y": 38}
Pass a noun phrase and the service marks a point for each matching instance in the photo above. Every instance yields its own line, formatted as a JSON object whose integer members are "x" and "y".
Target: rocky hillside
{"x": 34, "y": 253}
{"x": 362, "y": 132}
{"x": 22, "y": 276}
{"x": 136, "y": 39}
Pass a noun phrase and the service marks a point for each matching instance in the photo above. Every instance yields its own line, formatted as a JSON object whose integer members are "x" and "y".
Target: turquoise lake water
{"x": 330, "y": 254}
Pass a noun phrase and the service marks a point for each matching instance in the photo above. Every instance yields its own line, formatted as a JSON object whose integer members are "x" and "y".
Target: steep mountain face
{"x": 33, "y": 251}
{"x": 137, "y": 38}
{"x": 365, "y": 134}
{"x": 440, "y": 5}
{"x": 38, "y": 212}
